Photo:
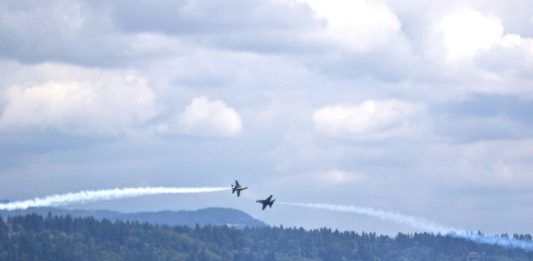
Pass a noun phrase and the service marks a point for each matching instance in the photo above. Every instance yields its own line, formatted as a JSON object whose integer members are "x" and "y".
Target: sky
{"x": 419, "y": 107}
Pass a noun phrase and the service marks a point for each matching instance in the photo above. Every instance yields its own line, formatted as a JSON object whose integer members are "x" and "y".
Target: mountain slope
{"x": 202, "y": 217}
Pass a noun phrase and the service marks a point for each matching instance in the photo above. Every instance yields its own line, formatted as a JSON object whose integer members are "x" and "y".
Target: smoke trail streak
{"x": 98, "y": 195}
{"x": 420, "y": 223}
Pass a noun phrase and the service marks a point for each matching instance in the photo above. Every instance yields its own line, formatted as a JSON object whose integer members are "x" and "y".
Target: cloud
{"x": 511, "y": 56}
{"x": 339, "y": 177}
{"x": 209, "y": 118}
{"x": 466, "y": 35}
{"x": 478, "y": 116}
{"x": 469, "y": 46}
{"x": 59, "y": 31}
{"x": 369, "y": 119}
{"x": 464, "y": 32}
{"x": 108, "y": 104}
{"x": 79, "y": 32}
{"x": 260, "y": 26}
{"x": 347, "y": 38}
{"x": 292, "y": 63}
{"x": 209, "y": 16}
{"x": 357, "y": 24}
{"x": 359, "y": 38}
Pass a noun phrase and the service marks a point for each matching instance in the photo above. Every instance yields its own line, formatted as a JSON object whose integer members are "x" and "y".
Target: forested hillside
{"x": 34, "y": 237}
{"x": 206, "y": 216}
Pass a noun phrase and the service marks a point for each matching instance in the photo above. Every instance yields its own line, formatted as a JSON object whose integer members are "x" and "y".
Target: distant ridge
{"x": 202, "y": 217}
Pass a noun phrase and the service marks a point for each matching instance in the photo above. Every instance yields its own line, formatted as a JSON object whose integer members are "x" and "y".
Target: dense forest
{"x": 34, "y": 237}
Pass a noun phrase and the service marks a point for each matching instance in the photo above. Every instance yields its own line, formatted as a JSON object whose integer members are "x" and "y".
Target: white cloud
{"x": 370, "y": 119}
{"x": 339, "y": 177}
{"x": 357, "y": 24}
{"x": 464, "y": 32}
{"x": 471, "y": 46}
{"x": 476, "y": 45}
{"x": 209, "y": 118}
{"x": 110, "y": 104}
{"x": 511, "y": 56}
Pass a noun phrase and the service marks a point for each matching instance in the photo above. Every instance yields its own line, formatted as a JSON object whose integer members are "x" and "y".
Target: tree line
{"x": 34, "y": 237}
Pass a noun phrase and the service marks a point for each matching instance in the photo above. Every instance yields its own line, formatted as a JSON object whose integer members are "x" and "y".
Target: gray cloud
{"x": 72, "y": 31}
{"x": 121, "y": 32}
{"x": 480, "y": 117}
{"x": 261, "y": 26}
{"x": 210, "y": 16}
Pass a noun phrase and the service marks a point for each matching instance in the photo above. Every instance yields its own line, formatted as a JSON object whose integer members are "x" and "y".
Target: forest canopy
{"x": 34, "y": 237}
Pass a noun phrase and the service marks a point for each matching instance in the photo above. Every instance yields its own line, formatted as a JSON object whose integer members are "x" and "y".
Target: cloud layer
{"x": 411, "y": 104}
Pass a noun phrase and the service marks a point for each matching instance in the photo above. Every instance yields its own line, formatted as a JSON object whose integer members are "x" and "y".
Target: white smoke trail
{"x": 107, "y": 194}
{"x": 420, "y": 223}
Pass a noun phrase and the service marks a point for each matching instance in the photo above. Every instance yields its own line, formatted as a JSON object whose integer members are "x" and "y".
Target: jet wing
{"x": 262, "y": 202}
{"x": 238, "y": 193}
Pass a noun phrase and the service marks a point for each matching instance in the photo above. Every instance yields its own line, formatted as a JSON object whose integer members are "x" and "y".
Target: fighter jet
{"x": 237, "y": 187}
{"x": 266, "y": 202}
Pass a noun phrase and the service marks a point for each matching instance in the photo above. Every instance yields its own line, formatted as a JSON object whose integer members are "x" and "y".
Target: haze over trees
{"x": 206, "y": 216}
{"x": 34, "y": 237}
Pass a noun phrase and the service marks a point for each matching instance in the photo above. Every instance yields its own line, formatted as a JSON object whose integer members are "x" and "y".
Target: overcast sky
{"x": 420, "y": 107}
